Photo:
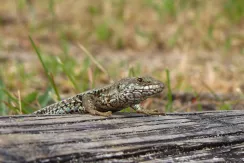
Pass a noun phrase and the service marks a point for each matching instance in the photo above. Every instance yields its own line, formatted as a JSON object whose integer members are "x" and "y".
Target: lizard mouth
{"x": 147, "y": 91}
{"x": 153, "y": 89}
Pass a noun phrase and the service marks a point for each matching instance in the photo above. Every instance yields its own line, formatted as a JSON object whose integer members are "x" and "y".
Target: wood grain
{"x": 124, "y": 137}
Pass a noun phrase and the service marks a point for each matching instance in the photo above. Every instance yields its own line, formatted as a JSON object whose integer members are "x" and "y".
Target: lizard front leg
{"x": 89, "y": 105}
{"x": 139, "y": 109}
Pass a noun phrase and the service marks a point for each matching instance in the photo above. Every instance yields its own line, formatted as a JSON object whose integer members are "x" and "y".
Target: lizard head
{"x": 136, "y": 89}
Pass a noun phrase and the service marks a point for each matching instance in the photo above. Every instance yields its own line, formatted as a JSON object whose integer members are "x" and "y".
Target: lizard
{"x": 127, "y": 92}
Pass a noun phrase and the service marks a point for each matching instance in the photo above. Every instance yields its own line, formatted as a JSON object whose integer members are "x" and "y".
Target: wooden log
{"x": 124, "y": 137}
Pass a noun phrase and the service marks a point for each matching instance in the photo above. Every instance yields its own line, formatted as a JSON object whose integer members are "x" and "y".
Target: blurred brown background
{"x": 201, "y": 43}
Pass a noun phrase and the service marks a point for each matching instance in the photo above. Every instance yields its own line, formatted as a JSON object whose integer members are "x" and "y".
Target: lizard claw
{"x": 150, "y": 112}
{"x": 108, "y": 114}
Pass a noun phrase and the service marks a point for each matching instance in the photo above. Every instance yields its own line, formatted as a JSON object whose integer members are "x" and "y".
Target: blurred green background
{"x": 201, "y": 43}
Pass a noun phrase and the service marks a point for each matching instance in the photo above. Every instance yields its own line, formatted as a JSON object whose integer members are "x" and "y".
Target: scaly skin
{"x": 127, "y": 92}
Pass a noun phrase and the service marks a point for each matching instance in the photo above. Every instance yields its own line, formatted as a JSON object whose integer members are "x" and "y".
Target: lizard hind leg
{"x": 89, "y": 106}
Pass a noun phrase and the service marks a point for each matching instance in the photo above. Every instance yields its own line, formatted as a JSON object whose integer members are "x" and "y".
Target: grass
{"x": 2, "y": 98}
{"x": 169, "y": 105}
{"x": 118, "y": 24}
{"x": 48, "y": 74}
{"x": 193, "y": 28}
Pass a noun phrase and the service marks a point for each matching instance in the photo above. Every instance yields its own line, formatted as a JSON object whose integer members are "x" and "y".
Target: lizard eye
{"x": 139, "y": 79}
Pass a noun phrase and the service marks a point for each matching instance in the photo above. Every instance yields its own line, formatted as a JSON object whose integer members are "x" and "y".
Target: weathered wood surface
{"x": 183, "y": 137}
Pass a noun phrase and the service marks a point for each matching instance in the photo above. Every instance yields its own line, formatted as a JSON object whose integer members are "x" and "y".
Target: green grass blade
{"x": 68, "y": 73}
{"x": 44, "y": 98}
{"x": 54, "y": 86}
{"x": 135, "y": 71}
{"x": 3, "y": 109}
{"x": 15, "y": 100}
{"x": 169, "y": 107}
{"x": 31, "y": 97}
{"x": 131, "y": 72}
{"x": 49, "y": 75}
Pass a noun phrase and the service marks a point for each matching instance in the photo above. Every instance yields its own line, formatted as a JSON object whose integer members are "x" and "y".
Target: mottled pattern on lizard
{"x": 127, "y": 92}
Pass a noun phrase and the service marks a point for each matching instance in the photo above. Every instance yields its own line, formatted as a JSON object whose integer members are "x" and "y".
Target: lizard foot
{"x": 150, "y": 112}
{"x": 105, "y": 114}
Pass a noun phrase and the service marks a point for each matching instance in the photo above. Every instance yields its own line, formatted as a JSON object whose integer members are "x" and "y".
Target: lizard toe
{"x": 108, "y": 114}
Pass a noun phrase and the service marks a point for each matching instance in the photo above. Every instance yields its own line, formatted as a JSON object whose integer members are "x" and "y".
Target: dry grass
{"x": 127, "y": 24}
{"x": 200, "y": 42}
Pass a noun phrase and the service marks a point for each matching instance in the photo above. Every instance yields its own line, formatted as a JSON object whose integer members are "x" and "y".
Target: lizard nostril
{"x": 139, "y": 79}
{"x": 162, "y": 85}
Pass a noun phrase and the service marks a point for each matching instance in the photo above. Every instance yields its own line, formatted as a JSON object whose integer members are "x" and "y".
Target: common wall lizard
{"x": 127, "y": 92}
